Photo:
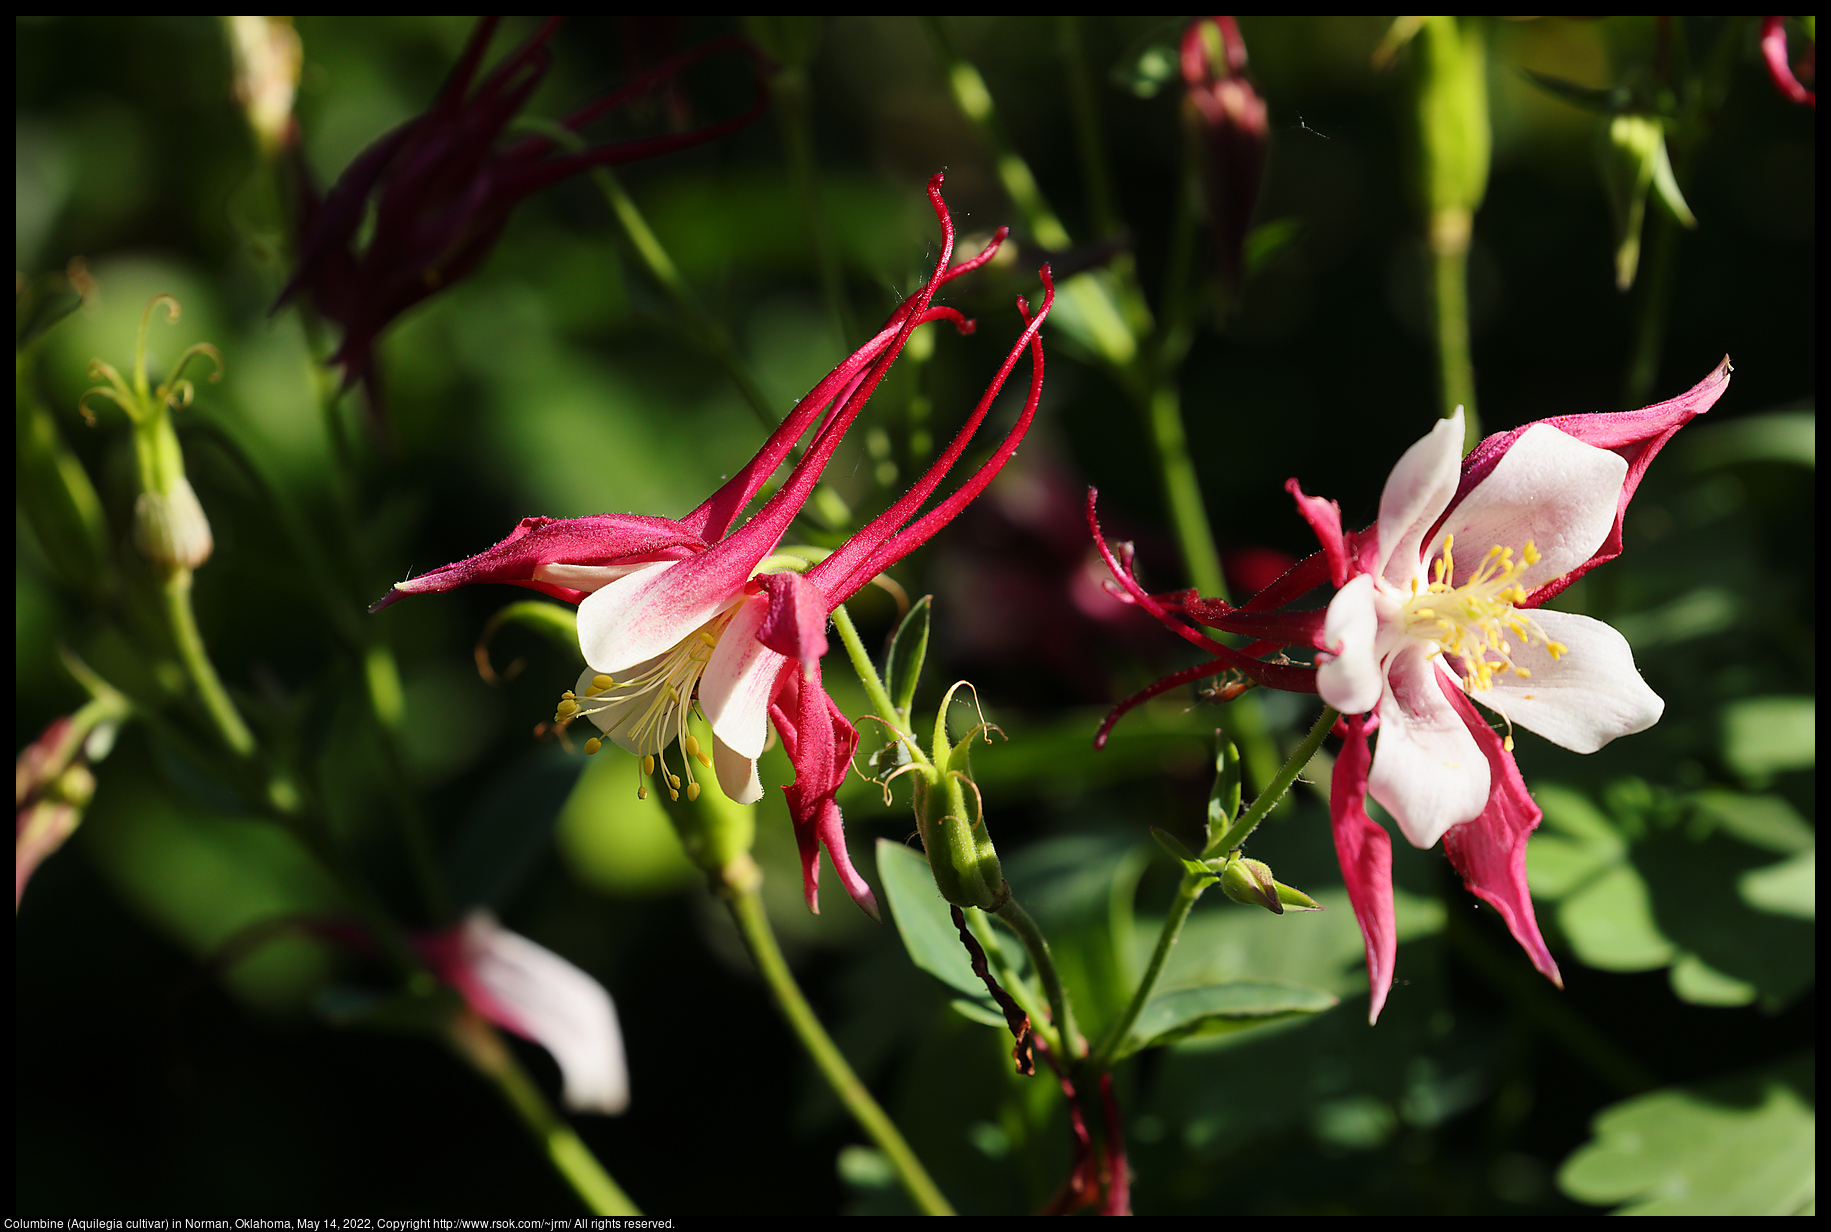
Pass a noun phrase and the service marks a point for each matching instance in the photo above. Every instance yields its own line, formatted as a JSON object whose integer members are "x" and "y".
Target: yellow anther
{"x": 692, "y": 745}
{"x": 672, "y": 794}
{"x": 593, "y": 745}
{"x": 708, "y": 637}
{"x": 602, "y": 682}
{"x": 692, "y": 791}
{"x": 567, "y": 709}
{"x": 648, "y": 763}
{"x": 703, "y": 760}
{"x": 641, "y": 791}
{"x": 673, "y": 780}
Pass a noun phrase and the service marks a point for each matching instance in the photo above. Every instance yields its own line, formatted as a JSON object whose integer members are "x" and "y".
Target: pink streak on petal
{"x": 1490, "y": 851}
{"x": 1549, "y": 489}
{"x": 1636, "y": 435}
{"x": 1365, "y": 851}
{"x": 644, "y": 614}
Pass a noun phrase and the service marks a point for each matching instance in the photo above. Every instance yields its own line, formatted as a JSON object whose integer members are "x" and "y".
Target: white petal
{"x": 616, "y": 713}
{"x": 641, "y": 615}
{"x": 738, "y": 682}
{"x": 1351, "y": 681}
{"x": 1549, "y": 488}
{"x": 1417, "y": 492}
{"x": 737, "y": 774}
{"x": 1584, "y": 699}
{"x": 587, "y": 578}
{"x": 556, "y": 1005}
{"x": 1427, "y": 770}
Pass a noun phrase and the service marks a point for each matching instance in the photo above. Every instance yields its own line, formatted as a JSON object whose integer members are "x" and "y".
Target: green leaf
{"x": 1220, "y": 1009}
{"x": 1764, "y": 735}
{"x": 1742, "y": 1146}
{"x": 908, "y": 649}
{"x": 926, "y": 926}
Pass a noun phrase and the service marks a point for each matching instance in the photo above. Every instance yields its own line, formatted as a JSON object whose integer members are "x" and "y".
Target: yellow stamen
{"x": 1471, "y": 621}
{"x": 593, "y": 745}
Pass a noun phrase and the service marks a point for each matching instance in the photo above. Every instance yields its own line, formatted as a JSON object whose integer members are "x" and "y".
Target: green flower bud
{"x": 170, "y": 527}
{"x": 1250, "y": 882}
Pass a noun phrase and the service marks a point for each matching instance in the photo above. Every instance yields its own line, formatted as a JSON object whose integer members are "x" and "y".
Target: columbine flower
{"x": 678, "y": 613}
{"x": 1437, "y": 602}
{"x": 533, "y": 992}
{"x": 442, "y": 193}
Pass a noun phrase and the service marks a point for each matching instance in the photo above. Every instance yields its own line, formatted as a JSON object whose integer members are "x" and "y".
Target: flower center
{"x": 1479, "y": 623}
{"x": 648, "y": 710}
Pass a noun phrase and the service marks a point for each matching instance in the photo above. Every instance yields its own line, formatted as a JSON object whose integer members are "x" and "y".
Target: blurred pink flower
{"x": 441, "y": 191}
{"x": 534, "y": 993}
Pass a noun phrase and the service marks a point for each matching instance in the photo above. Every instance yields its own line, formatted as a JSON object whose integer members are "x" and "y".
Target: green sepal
{"x": 1203, "y": 874}
{"x": 1224, "y": 798}
{"x": 908, "y": 650}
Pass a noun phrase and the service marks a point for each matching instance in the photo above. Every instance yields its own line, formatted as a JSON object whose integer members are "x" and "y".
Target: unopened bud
{"x": 170, "y": 527}
{"x": 1250, "y": 882}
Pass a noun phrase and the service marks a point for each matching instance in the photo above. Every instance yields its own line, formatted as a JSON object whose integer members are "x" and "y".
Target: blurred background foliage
{"x": 1674, "y": 872}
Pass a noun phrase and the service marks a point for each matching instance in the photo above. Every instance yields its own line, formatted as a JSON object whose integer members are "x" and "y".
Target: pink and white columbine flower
{"x": 1438, "y": 602}
{"x": 678, "y": 613}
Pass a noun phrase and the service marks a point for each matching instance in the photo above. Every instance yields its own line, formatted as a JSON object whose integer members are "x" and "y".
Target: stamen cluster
{"x": 1470, "y": 622}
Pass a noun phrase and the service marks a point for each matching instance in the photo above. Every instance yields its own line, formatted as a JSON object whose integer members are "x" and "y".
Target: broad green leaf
{"x": 1220, "y": 1009}
{"x": 908, "y": 650}
{"x": 1763, "y": 735}
{"x": 925, "y": 924}
{"x": 1611, "y": 926}
{"x": 1743, "y": 1146}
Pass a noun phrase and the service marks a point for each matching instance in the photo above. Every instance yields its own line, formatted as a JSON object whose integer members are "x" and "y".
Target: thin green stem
{"x": 742, "y": 895}
{"x": 1449, "y": 271}
{"x": 1037, "y": 946}
{"x": 480, "y": 1044}
{"x": 707, "y": 333}
{"x": 1193, "y": 885}
{"x": 182, "y": 621}
{"x": 789, "y": 93}
{"x": 1249, "y": 820}
{"x": 1186, "y": 895}
{"x": 875, "y": 692}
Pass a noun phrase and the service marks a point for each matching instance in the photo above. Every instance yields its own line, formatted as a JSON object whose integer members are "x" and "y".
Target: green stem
{"x": 1193, "y": 885}
{"x": 480, "y": 1044}
{"x": 740, "y": 887}
{"x": 182, "y": 620}
{"x": 1186, "y": 895}
{"x": 789, "y": 93}
{"x": 1274, "y": 791}
{"x": 1019, "y": 922}
{"x": 700, "y": 327}
{"x": 875, "y": 692}
{"x": 1449, "y": 268}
